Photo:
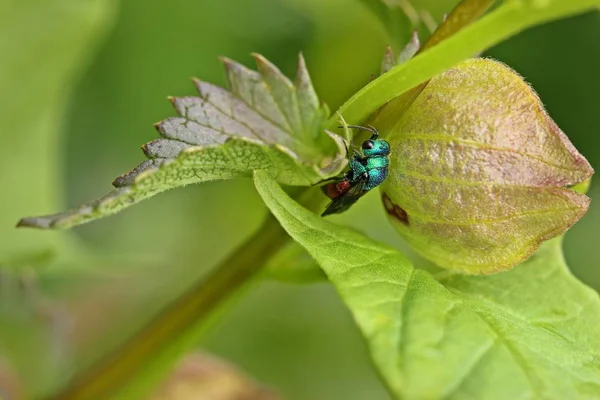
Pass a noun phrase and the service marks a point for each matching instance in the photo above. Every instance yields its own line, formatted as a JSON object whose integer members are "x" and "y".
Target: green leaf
{"x": 264, "y": 122}
{"x": 527, "y": 333}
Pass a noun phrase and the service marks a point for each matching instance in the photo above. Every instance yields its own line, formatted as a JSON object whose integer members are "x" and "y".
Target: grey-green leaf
{"x": 264, "y": 122}
{"x": 528, "y": 333}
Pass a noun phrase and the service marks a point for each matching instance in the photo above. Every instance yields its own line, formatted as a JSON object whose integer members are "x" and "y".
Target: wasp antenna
{"x": 374, "y": 131}
{"x": 369, "y": 128}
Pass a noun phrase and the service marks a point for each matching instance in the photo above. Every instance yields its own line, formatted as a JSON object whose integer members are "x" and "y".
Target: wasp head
{"x": 377, "y": 147}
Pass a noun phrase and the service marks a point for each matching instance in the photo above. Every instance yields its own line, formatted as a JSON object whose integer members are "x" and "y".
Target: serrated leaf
{"x": 527, "y": 333}
{"x": 264, "y": 122}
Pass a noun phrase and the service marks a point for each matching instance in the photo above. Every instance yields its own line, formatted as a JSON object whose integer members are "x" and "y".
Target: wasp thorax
{"x": 479, "y": 173}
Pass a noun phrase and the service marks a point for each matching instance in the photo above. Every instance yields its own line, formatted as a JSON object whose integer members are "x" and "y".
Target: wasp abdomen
{"x": 336, "y": 189}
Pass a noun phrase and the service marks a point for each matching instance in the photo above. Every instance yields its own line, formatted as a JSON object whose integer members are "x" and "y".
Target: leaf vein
{"x": 447, "y": 138}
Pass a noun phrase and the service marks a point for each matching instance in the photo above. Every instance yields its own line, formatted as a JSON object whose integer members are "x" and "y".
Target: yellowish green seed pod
{"x": 479, "y": 173}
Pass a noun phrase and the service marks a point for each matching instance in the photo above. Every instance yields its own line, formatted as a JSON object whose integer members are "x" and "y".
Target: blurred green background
{"x": 82, "y": 83}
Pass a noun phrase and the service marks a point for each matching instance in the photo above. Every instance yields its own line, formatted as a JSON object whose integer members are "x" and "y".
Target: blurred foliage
{"x": 45, "y": 48}
{"x": 291, "y": 334}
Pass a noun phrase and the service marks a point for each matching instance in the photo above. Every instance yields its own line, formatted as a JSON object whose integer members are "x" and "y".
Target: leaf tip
{"x": 197, "y": 83}
{"x": 389, "y": 59}
{"x": 411, "y": 48}
{"x": 147, "y": 152}
{"x": 23, "y": 222}
{"x": 128, "y": 178}
{"x": 414, "y": 38}
{"x": 34, "y": 222}
{"x": 258, "y": 56}
{"x": 265, "y": 67}
{"x": 304, "y": 86}
{"x": 226, "y": 60}
{"x": 301, "y": 62}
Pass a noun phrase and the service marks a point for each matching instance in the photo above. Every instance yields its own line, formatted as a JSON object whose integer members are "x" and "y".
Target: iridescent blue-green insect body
{"x": 367, "y": 171}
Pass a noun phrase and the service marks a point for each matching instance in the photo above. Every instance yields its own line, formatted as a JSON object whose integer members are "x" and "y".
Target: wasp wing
{"x": 346, "y": 199}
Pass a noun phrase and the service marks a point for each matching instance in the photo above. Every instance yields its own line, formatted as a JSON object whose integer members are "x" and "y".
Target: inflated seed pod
{"x": 479, "y": 173}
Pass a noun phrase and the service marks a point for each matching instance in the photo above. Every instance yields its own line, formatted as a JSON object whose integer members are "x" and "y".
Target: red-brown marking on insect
{"x": 336, "y": 189}
{"x": 394, "y": 210}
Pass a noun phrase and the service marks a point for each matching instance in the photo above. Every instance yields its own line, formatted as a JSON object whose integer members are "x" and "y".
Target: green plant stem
{"x": 178, "y": 321}
{"x": 507, "y": 20}
{"x": 465, "y": 13}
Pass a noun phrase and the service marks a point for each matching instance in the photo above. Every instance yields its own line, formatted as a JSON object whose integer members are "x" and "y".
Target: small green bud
{"x": 479, "y": 173}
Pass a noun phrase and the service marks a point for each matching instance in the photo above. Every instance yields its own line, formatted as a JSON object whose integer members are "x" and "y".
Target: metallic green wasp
{"x": 367, "y": 171}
